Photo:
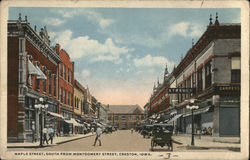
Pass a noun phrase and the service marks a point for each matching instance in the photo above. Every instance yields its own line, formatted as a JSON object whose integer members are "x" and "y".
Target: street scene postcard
{"x": 124, "y": 79}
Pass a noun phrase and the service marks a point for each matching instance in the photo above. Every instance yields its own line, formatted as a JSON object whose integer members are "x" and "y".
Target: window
{"x": 37, "y": 80}
{"x": 123, "y": 117}
{"x": 29, "y": 113}
{"x": 137, "y": 117}
{"x": 71, "y": 99}
{"x": 116, "y": 117}
{"x": 68, "y": 98}
{"x": 75, "y": 101}
{"x": 49, "y": 77}
{"x": 208, "y": 77}
{"x": 21, "y": 45}
{"x": 188, "y": 85}
{"x": 44, "y": 81}
{"x": 61, "y": 69}
{"x": 68, "y": 75}
{"x": 54, "y": 85}
{"x": 64, "y": 71}
{"x": 199, "y": 79}
{"x": 65, "y": 96}
{"x": 61, "y": 95}
{"x": 109, "y": 117}
{"x": 235, "y": 70}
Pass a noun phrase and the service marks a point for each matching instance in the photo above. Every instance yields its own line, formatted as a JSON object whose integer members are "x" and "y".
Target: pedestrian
{"x": 92, "y": 130}
{"x": 132, "y": 130}
{"x": 45, "y": 132}
{"x": 51, "y": 134}
{"x": 98, "y": 134}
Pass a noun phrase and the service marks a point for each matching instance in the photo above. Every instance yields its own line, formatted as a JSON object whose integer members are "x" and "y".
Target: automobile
{"x": 146, "y": 130}
{"x": 162, "y": 136}
{"x": 108, "y": 129}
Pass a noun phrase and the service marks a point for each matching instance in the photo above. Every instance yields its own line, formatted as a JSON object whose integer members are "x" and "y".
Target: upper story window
{"x": 49, "y": 77}
{"x": 37, "y": 80}
{"x": 44, "y": 81}
{"x": 109, "y": 117}
{"x": 54, "y": 84}
{"x": 123, "y": 117}
{"x": 116, "y": 117}
{"x": 199, "y": 79}
{"x": 235, "y": 70}
{"x": 64, "y": 71}
{"x": 208, "y": 77}
{"x": 61, "y": 69}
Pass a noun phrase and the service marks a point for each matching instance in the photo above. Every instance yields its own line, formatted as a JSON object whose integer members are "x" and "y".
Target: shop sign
{"x": 180, "y": 90}
{"x": 228, "y": 88}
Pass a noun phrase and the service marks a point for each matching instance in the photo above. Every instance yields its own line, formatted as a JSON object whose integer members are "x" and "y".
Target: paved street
{"x": 123, "y": 140}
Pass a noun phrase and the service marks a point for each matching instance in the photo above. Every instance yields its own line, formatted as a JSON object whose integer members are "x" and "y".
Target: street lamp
{"x": 192, "y": 106}
{"x": 41, "y": 106}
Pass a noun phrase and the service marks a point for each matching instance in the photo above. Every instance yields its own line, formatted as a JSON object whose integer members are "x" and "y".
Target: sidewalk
{"x": 56, "y": 141}
{"x": 209, "y": 142}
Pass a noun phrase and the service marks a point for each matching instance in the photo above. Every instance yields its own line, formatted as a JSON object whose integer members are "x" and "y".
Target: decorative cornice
{"x": 23, "y": 29}
{"x": 212, "y": 32}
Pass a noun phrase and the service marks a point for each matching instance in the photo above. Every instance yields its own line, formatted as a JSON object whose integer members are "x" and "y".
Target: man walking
{"x": 51, "y": 134}
{"x": 45, "y": 132}
{"x": 98, "y": 134}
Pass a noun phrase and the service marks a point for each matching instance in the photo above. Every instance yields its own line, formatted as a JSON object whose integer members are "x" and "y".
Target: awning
{"x": 55, "y": 115}
{"x": 75, "y": 123}
{"x": 32, "y": 69}
{"x": 198, "y": 111}
{"x": 41, "y": 75}
{"x": 68, "y": 121}
{"x": 175, "y": 118}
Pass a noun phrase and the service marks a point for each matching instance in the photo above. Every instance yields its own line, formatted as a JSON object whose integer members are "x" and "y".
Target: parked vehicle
{"x": 147, "y": 131}
{"x": 162, "y": 136}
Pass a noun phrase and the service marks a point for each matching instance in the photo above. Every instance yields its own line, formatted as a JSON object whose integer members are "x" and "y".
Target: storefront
{"x": 66, "y": 126}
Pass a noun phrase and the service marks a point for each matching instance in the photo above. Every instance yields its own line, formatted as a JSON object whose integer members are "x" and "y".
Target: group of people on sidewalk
{"x": 48, "y": 132}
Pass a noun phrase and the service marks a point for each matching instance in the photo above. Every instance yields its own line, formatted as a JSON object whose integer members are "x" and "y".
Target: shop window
{"x": 199, "y": 79}
{"x": 235, "y": 70}
{"x": 208, "y": 77}
{"x": 29, "y": 113}
{"x": 68, "y": 75}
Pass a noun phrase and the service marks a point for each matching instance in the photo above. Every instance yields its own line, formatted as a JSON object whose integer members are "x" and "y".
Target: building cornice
{"x": 213, "y": 32}
{"x": 22, "y": 29}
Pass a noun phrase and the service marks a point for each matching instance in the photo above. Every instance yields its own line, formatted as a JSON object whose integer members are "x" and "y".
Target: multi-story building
{"x": 32, "y": 75}
{"x": 94, "y": 107}
{"x": 87, "y": 103}
{"x": 102, "y": 113}
{"x": 211, "y": 68}
{"x": 125, "y": 116}
{"x": 66, "y": 91}
{"x": 79, "y": 105}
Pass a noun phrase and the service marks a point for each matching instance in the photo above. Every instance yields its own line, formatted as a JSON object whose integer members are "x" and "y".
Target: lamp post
{"x": 192, "y": 106}
{"x": 41, "y": 106}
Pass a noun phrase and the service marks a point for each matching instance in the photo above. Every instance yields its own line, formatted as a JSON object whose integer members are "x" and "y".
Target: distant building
{"x": 78, "y": 105}
{"x": 125, "y": 116}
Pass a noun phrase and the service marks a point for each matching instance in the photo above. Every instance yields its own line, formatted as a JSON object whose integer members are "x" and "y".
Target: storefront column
{"x": 216, "y": 122}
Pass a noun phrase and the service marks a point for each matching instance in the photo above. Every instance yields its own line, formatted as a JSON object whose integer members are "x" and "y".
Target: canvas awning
{"x": 175, "y": 118}
{"x": 41, "y": 75}
{"x": 32, "y": 69}
{"x": 55, "y": 115}
{"x": 198, "y": 111}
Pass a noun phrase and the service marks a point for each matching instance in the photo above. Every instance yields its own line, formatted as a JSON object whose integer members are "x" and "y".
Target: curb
{"x": 49, "y": 145}
{"x": 236, "y": 149}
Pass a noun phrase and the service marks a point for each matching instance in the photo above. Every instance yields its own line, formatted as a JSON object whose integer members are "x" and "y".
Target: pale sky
{"x": 119, "y": 53}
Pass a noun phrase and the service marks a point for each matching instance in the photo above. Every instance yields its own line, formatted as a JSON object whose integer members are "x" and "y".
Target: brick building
{"x": 79, "y": 105}
{"x": 212, "y": 69}
{"x": 32, "y": 74}
{"x": 66, "y": 91}
{"x": 125, "y": 116}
